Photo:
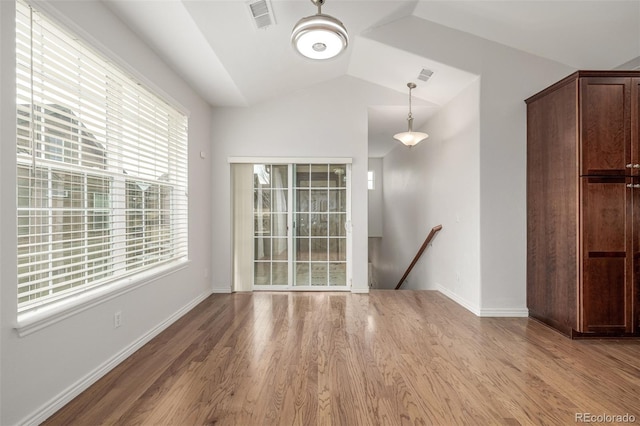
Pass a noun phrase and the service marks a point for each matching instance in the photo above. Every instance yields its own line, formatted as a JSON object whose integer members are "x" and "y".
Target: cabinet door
{"x": 605, "y": 124}
{"x": 607, "y": 256}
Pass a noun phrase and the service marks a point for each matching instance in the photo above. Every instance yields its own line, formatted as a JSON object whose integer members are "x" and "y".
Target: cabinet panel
{"x": 552, "y": 208}
{"x": 634, "y": 282}
{"x": 606, "y": 254}
{"x": 604, "y": 122}
{"x": 603, "y": 293}
{"x": 635, "y": 121}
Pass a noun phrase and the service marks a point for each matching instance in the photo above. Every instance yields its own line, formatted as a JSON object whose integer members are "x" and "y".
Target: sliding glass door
{"x": 300, "y": 213}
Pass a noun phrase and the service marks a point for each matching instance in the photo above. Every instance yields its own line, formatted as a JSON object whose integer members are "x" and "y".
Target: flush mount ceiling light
{"x": 319, "y": 36}
{"x": 410, "y": 138}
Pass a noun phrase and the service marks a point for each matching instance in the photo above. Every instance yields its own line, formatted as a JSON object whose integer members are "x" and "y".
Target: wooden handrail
{"x": 432, "y": 234}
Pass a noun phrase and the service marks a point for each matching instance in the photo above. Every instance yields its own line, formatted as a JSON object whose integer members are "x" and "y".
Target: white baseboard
{"x": 360, "y": 290}
{"x": 505, "y": 312}
{"x": 60, "y": 400}
{"x": 223, "y": 290}
{"x": 459, "y": 300}
{"x": 483, "y": 312}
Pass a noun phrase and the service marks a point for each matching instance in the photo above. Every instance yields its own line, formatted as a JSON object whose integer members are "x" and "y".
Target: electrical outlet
{"x": 117, "y": 319}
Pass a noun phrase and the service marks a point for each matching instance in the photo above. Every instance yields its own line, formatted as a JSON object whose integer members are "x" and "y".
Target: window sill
{"x": 39, "y": 318}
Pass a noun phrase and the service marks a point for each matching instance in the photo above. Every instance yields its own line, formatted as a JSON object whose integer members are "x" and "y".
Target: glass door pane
{"x": 271, "y": 246}
{"x": 337, "y": 238}
{"x": 320, "y": 216}
{"x": 302, "y": 224}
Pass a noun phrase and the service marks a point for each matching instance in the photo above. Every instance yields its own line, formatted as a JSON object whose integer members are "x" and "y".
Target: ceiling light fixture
{"x": 319, "y": 36}
{"x": 410, "y": 138}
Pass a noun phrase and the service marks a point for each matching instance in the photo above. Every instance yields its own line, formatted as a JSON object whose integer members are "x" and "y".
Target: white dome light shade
{"x": 410, "y": 138}
{"x": 319, "y": 37}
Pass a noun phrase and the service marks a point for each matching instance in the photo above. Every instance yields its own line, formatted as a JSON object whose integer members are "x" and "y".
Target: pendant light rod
{"x": 410, "y": 138}
{"x": 411, "y": 86}
{"x": 318, "y": 3}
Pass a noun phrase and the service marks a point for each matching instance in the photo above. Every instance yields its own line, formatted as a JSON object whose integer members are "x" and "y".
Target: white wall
{"x": 437, "y": 183}
{"x": 45, "y": 369}
{"x": 7, "y": 106}
{"x": 326, "y": 120}
{"x": 375, "y": 199}
{"x": 508, "y": 76}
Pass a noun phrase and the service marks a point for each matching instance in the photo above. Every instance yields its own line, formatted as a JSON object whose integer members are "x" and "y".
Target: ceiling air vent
{"x": 425, "y": 74}
{"x": 262, "y": 13}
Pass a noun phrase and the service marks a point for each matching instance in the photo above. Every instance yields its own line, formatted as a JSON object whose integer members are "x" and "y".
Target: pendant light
{"x": 319, "y": 36}
{"x": 410, "y": 138}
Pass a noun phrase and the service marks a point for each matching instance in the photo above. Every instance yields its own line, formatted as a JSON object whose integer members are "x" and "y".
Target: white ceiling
{"x": 214, "y": 45}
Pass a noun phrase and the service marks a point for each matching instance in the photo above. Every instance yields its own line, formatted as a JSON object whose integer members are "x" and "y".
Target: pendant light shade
{"x": 410, "y": 138}
{"x": 319, "y": 36}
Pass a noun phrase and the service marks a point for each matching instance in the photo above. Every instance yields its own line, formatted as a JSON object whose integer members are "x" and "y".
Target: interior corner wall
{"x": 436, "y": 183}
{"x": 508, "y": 76}
{"x": 45, "y": 369}
{"x": 633, "y": 64}
{"x": 326, "y": 120}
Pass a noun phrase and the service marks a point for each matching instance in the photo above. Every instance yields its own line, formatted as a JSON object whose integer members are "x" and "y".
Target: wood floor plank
{"x": 387, "y": 358}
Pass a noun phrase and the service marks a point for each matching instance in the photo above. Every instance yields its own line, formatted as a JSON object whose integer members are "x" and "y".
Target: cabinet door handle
{"x": 636, "y": 166}
{"x": 636, "y": 185}
{"x": 629, "y": 166}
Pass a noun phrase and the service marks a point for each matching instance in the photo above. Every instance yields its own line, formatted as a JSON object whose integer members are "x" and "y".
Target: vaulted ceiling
{"x": 216, "y": 47}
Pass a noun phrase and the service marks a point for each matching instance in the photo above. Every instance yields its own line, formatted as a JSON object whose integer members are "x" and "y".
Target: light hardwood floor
{"x": 387, "y": 358}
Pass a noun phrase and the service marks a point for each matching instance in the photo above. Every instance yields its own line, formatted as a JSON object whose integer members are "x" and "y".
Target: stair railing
{"x": 432, "y": 234}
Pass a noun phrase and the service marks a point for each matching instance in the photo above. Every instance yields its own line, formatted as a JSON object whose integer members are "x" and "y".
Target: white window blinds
{"x": 101, "y": 168}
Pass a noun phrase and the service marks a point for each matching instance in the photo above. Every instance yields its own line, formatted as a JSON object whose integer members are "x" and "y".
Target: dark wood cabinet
{"x": 583, "y": 204}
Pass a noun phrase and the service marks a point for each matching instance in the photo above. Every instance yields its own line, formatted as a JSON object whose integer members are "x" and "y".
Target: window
{"x": 101, "y": 168}
{"x": 371, "y": 180}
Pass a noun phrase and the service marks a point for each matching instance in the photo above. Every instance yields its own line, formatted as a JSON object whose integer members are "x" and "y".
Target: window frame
{"x": 38, "y": 316}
